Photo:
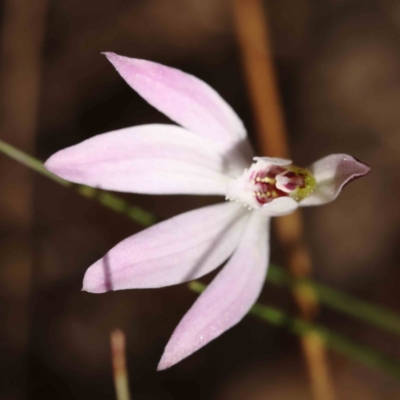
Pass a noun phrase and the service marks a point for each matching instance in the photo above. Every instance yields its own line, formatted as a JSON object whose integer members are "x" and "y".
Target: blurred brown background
{"x": 339, "y": 70}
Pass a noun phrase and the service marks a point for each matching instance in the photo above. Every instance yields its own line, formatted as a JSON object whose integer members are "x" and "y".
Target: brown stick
{"x": 252, "y": 31}
{"x": 21, "y": 42}
{"x": 119, "y": 365}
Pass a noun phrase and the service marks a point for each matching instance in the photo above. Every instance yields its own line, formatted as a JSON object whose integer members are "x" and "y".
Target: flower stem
{"x": 365, "y": 311}
{"x": 364, "y": 354}
{"x": 108, "y": 200}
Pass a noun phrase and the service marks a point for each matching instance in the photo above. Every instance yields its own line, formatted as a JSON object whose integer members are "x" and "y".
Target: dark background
{"x": 339, "y": 72}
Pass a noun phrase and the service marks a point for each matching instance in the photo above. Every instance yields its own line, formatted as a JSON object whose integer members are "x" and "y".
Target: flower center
{"x": 268, "y": 179}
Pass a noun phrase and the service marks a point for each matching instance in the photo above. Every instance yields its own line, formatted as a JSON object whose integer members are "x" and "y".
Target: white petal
{"x": 180, "y": 249}
{"x": 273, "y": 160}
{"x": 280, "y": 206}
{"x": 332, "y": 173}
{"x": 227, "y": 299}
{"x": 156, "y": 159}
{"x": 185, "y": 99}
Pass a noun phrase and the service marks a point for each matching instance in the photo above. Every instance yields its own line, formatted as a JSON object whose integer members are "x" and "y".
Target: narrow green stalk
{"x": 368, "y": 312}
{"x": 356, "y": 351}
{"x": 117, "y": 204}
{"x": 365, "y": 311}
{"x": 30, "y": 162}
{"x": 108, "y": 200}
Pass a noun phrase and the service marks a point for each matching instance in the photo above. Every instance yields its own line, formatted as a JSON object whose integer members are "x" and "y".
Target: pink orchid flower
{"x": 208, "y": 154}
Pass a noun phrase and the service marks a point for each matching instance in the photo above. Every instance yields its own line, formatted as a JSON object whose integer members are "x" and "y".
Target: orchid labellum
{"x": 208, "y": 154}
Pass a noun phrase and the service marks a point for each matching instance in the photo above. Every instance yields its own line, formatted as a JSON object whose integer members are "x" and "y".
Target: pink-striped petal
{"x": 227, "y": 299}
{"x": 184, "y": 98}
{"x": 155, "y": 159}
{"x": 180, "y": 249}
{"x": 332, "y": 173}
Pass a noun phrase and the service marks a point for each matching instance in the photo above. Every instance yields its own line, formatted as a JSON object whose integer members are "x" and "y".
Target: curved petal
{"x": 273, "y": 160}
{"x": 155, "y": 159}
{"x": 332, "y": 173}
{"x": 184, "y": 98}
{"x": 227, "y": 299}
{"x": 180, "y": 249}
{"x": 280, "y": 206}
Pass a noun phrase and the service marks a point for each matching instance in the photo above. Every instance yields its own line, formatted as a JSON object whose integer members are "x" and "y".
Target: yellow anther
{"x": 268, "y": 180}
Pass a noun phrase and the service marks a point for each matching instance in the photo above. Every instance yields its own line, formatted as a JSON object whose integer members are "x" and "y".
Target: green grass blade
{"x": 366, "y": 311}
{"x": 108, "y": 200}
{"x": 362, "y": 353}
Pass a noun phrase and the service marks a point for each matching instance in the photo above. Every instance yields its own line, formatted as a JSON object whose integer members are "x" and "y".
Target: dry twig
{"x": 119, "y": 365}
{"x": 252, "y": 31}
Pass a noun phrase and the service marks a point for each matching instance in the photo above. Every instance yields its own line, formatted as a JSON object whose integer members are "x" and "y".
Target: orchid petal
{"x": 156, "y": 159}
{"x": 184, "y": 98}
{"x": 280, "y": 206}
{"x": 227, "y": 299}
{"x": 273, "y": 160}
{"x": 180, "y": 249}
{"x": 332, "y": 173}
